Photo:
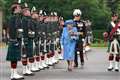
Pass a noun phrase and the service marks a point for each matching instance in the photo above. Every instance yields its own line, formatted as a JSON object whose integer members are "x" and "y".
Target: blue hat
{"x": 69, "y": 22}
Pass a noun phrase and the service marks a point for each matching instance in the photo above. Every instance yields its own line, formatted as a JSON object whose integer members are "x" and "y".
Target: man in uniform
{"x": 29, "y": 35}
{"x": 114, "y": 45}
{"x": 43, "y": 45}
{"x": 41, "y": 40}
{"x": 48, "y": 34}
{"x": 15, "y": 35}
{"x": 54, "y": 37}
{"x": 89, "y": 35}
{"x": 82, "y": 33}
{"x": 61, "y": 26}
{"x": 35, "y": 24}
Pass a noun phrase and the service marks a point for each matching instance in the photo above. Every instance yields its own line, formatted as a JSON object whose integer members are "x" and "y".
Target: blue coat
{"x": 68, "y": 44}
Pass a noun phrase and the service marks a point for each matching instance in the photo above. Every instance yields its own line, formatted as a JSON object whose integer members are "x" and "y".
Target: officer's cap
{"x": 77, "y": 12}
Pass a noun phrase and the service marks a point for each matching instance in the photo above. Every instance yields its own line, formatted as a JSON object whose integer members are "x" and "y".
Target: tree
{"x": 97, "y": 11}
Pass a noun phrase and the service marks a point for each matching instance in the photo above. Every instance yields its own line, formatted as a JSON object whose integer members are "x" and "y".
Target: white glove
{"x": 83, "y": 40}
{"x": 16, "y": 44}
{"x": 61, "y": 46}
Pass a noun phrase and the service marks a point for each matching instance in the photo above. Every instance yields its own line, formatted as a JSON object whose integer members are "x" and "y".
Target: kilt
{"x": 14, "y": 52}
{"x": 52, "y": 47}
{"x": 29, "y": 48}
{"x": 37, "y": 46}
{"x": 42, "y": 48}
{"x": 47, "y": 48}
{"x": 36, "y": 51}
{"x": 114, "y": 47}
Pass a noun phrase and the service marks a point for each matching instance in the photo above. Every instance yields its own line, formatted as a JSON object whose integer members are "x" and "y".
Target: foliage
{"x": 98, "y": 11}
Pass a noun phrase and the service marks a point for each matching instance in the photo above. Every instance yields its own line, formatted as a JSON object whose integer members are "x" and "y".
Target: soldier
{"x": 61, "y": 26}
{"x": 36, "y": 39}
{"x": 15, "y": 35}
{"x": 113, "y": 35}
{"x": 82, "y": 33}
{"x": 29, "y": 35}
{"x": 89, "y": 35}
{"x": 54, "y": 37}
{"x": 43, "y": 44}
{"x": 49, "y": 31}
{"x": 41, "y": 40}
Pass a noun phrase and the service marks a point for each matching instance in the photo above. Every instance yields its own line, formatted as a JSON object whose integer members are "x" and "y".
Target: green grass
{"x": 98, "y": 45}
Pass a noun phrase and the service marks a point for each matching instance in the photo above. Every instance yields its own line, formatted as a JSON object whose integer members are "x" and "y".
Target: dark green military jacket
{"x": 28, "y": 41}
{"x": 14, "y": 51}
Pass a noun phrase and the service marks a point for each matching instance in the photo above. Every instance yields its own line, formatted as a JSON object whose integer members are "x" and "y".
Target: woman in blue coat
{"x": 68, "y": 41}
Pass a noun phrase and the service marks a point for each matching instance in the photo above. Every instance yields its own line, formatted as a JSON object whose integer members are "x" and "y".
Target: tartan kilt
{"x": 14, "y": 52}
{"x": 29, "y": 48}
{"x": 52, "y": 47}
{"x": 42, "y": 48}
{"x": 47, "y": 48}
{"x": 36, "y": 51}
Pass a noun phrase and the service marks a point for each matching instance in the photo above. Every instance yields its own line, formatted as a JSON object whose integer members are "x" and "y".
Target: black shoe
{"x": 82, "y": 63}
{"x": 50, "y": 64}
{"x": 110, "y": 69}
{"x": 36, "y": 70}
{"x": 75, "y": 66}
{"x": 69, "y": 69}
{"x": 13, "y": 79}
{"x": 47, "y": 67}
{"x": 18, "y": 78}
{"x": 116, "y": 70}
{"x": 32, "y": 74}
{"x": 42, "y": 69}
{"x": 56, "y": 62}
{"x": 21, "y": 78}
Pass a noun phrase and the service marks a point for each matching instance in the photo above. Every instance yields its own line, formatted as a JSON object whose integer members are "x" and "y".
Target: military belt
{"x": 12, "y": 40}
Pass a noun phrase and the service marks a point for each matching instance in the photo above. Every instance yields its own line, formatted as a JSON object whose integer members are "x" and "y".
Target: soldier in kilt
{"x": 35, "y": 24}
{"x": 43, "y": 30}
{"x": 61, "y": 26}
{"x": 14, "y": 46}
{"x": 41, "y": 40}
{"x": 44, "y": 42}
{"x": 114, "y": 45}
{"x": 48, "y": 55}
{"x": 55, "y": 37}
{"x": 29, "y": 34}
{"x": 45, "y": 37}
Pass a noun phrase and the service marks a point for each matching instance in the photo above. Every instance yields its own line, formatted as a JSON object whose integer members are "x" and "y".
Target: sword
{"x": 84, "y": 52}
